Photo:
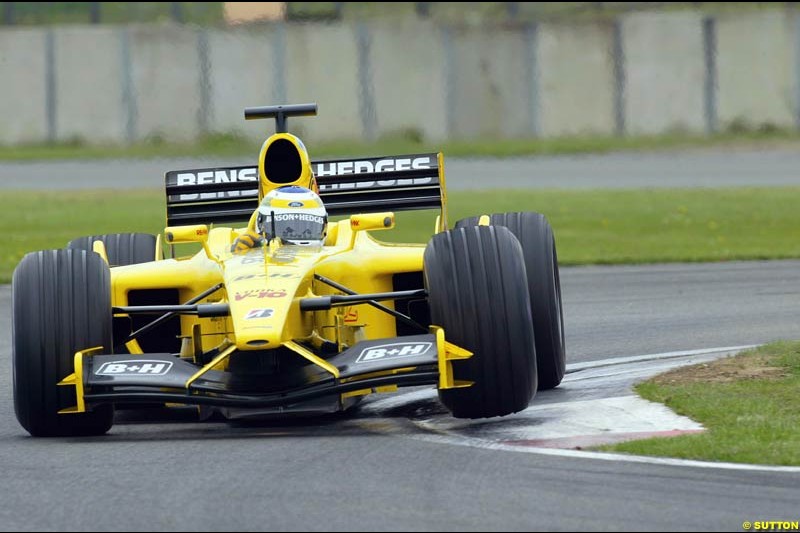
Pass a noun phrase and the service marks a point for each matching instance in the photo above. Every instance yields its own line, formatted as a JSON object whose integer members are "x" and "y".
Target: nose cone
{"x": 261, "y": 297}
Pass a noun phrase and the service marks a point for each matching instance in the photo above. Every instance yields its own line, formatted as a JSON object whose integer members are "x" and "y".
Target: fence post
{"x": 279, "y": 71}
{"x": 365, "y": 91}
{"x": 128, "y": 89}
{"x": 422, "y": 9}
{"x": 205, "y": 111}
{"x": 176, "y": 10}
{"x": 710, "y": 84}
{"x": 512, "y": 9}
{"x": 531, "y": 37}
{"x": 338, "y": 10}
{"x": 94, "y": 12}
{"x": 618, "y": 55}
{"x": 449, "y": 68}
{"x": 51, "y": 97}
{"x": 796, "y": 17}
{"x": 8, "y": 14}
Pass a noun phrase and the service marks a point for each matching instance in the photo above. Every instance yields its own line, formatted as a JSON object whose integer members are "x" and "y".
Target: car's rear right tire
{"x": 61, "y": 304}
{"x": 122, "y": 249}
{"x": 474, "y": 276}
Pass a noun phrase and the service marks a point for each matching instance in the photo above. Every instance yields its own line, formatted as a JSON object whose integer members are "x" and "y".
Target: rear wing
{"x": 230, "y": 195}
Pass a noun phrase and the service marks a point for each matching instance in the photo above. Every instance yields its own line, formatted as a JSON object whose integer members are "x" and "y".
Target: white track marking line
{"x": 666, "y": 461}
{"x": 653, "y": 357}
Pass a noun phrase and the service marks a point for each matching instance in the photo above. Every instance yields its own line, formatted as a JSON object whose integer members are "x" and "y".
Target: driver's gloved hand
{"x": 246, "y": 241}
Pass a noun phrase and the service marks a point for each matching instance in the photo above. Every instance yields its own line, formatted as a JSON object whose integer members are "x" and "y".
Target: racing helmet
{"x": 294, "y": 214}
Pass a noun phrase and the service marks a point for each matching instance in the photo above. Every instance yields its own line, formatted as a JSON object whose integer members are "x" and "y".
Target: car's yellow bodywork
{"x": 262, "y": 288}
{"x": 243, "y": 324}
{"x": 275, "y": 277}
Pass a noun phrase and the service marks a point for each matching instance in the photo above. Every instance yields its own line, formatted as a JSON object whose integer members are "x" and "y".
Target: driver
{"x": 293, "y": 214}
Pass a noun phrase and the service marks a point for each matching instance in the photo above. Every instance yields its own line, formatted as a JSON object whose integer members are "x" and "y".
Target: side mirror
{"x": 189, "y": 234}
{"x": 372, "y": 221}
{"x": 184, "y": 234}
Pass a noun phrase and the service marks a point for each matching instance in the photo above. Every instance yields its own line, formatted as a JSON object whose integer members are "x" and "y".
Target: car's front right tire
{"x": 541, "y": 264}
{"x": 61, "y": 304}
{"x": 476, "y": 282}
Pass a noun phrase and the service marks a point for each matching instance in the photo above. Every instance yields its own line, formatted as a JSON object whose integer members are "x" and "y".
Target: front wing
{"x": 380, "y": 365}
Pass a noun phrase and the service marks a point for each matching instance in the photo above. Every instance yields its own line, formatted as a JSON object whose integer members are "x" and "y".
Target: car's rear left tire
{"x": 61, "y": 304}
{"x": 473, "y": 275}
{"x": 122, "y": 249}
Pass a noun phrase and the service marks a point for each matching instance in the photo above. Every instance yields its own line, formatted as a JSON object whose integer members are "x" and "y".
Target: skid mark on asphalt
{"x": 594, "y": 405}
{"x": 585, "y": 441}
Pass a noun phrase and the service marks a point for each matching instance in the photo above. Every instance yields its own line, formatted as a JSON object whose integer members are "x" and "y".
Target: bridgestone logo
{"x": 136, "y": 367}
{"x": 259, "y": 313}
{"x": 393, "y": 351}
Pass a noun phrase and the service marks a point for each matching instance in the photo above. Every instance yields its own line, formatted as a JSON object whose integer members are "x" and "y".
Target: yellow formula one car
{"x": 280, "y": 311}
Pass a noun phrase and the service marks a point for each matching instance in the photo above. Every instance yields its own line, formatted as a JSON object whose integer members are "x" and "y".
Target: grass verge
{"x": 748, "y": 403}
{"x": 234, "y": 145}
{"x": 591, "y": 226}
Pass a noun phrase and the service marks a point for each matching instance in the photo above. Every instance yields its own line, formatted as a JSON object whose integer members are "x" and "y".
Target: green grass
{"x": 232, "y": 144}
{"x": 32, "y": 221}
{"x": 496, "y": 12}
{"x": 643, "y": 226}
{"x": 591, "y": 226}
{"x": 35, "y": 13}
{"x": 221, "y": 145}
{"x": 211, "y": 13}
{"x": 749, "y": 419}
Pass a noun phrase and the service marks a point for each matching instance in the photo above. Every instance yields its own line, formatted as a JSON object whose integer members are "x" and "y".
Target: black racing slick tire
{"x": 122, "y": 249}
{"x": 544, "y": 285}
{"x": 61, "y": 304}
{"x": 472, "y": 276}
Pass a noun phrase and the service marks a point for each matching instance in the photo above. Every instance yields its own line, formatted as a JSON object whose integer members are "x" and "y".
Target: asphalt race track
{"x": 701, "y": 168}
{"x": 379, "y": 470}
{"x": 395, "y": 465}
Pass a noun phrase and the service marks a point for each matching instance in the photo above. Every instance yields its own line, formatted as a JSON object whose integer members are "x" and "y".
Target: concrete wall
{"x": 645, "y": 73}
{"x": 489, "y": 90}
{"x": 89, "y": 102}
{"x": 406, "y": 70}
{"x": 322, "y": 67}
{"x": 23, "y": 109}
{"x": 576, "y": 79}
{"x": 243, "y": 68}
{"x": 664, "y": 72}
{"x": 166, "y": 81}
{"x": 757, "y": 69}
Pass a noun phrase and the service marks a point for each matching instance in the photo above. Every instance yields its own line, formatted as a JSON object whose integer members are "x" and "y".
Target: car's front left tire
{"x": 122, "y": 249}
{"x": 61, "y": 304}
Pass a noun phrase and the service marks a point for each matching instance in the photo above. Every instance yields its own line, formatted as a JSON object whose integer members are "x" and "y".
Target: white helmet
{"x": 294, "y": 214}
